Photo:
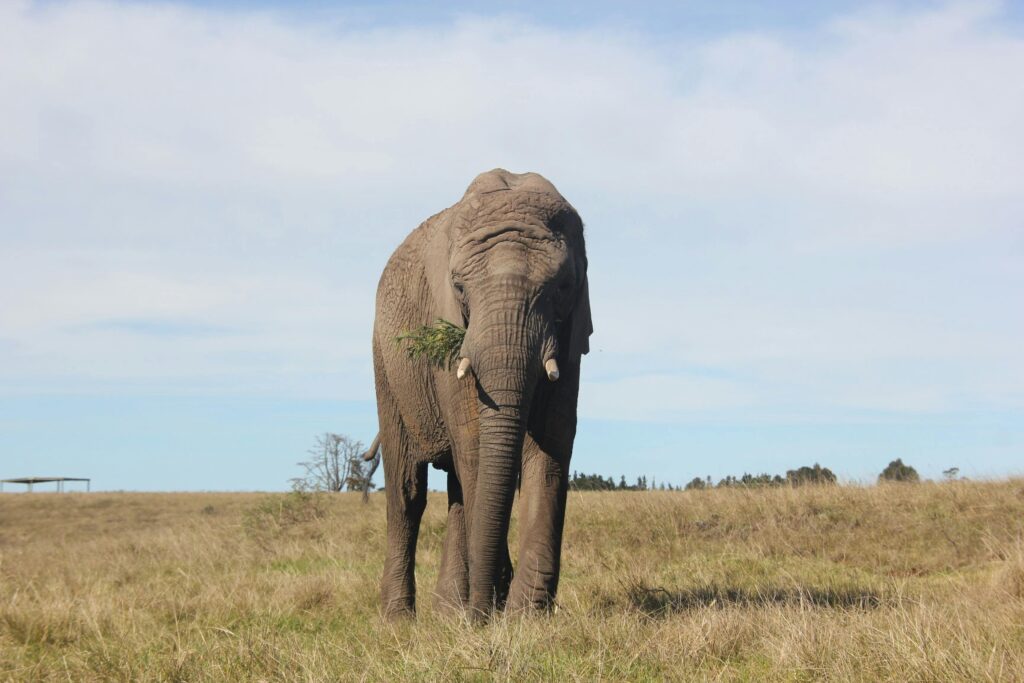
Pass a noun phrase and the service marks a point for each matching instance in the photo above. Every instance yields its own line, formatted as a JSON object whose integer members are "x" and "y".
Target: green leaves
{"x": 439, "y": 343}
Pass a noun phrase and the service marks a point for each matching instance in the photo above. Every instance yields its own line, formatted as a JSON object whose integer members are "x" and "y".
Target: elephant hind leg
{"x": 452, "y": 592}
{"x": 405, "y": 488}
{"x": 406, "y": 491}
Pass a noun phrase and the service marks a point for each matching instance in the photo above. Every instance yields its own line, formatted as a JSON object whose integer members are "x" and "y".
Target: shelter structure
{"x": 29, "y": 481}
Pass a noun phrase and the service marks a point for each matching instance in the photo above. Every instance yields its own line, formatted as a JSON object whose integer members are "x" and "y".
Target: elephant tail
{"x": 372, "y": 453}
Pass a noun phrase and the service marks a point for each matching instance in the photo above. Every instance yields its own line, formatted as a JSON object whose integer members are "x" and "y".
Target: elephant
{"x": 506, "y": 264}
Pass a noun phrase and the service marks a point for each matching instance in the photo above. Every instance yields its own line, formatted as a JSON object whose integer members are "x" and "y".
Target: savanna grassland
{"x": 900, "y": 582}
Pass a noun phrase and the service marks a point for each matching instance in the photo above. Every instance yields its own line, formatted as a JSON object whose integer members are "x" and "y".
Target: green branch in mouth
{"x": 439, "y": 343}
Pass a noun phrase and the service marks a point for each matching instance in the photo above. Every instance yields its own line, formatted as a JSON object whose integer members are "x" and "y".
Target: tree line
{"x": 802, "y": 476}
{"x": 336, "y": 464}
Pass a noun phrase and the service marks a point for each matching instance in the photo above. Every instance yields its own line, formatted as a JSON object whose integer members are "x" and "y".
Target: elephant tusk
{"x": 463, "y": 368}
{"x": 551, "y": 367}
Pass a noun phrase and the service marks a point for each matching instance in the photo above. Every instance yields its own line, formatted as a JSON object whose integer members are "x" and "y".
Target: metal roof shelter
{"x": 43, "y": 480}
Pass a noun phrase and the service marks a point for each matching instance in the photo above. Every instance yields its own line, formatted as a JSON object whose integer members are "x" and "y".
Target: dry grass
{"x": 922, "y": 582}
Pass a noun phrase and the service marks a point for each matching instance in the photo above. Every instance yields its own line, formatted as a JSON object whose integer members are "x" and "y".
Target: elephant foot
{"x": 518, "y": 606}
{"x": 479, "y": 616}
{"x": 395, "y": 613}
{"x": 399, "y": 608}
{"x": 523, "y": 598}
{"x": 450, "y": 599}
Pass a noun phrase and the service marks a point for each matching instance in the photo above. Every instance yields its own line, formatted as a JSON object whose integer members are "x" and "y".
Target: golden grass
{"x": 914, "y": 582}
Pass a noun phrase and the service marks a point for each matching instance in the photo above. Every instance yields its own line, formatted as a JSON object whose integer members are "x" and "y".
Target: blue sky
{"x": 804, "y": 225}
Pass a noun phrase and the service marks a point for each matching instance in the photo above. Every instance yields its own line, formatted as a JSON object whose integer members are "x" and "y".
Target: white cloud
{"x": 778, "y": 208}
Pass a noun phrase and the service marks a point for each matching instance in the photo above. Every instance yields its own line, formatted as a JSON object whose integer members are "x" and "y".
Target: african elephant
{"x": 507, "y": 264}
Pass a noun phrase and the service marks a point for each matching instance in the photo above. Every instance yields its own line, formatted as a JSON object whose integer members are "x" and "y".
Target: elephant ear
{"x": 438, "y": 275}
{"x": 581, "y": 326}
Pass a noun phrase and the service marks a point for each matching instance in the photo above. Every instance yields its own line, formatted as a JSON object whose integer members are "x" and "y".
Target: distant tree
{"x": 622, "y": 483}
{"x": 335, "y": 464}
{"x": 591, "y": 482}
{"x": 763, "y": 479}
{"x": 810, "y": 475}
{"x": 695, "y": 484}
{"x": 897, "y": 471}
{"x": 951, "y": 473}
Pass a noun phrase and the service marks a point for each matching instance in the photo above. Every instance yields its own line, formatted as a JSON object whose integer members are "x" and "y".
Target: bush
{"x": 591, "y": 482}
{"x": 748, "y": 480}
{"x": 810, "y": 475}
{"x": 897, "y": 471}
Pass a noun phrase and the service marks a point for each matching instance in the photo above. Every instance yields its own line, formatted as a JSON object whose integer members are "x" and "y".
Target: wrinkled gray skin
{"x": 508, "y": 262}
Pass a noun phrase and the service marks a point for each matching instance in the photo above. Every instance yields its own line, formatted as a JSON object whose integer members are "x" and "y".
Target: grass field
{"x": 901, "y": 582}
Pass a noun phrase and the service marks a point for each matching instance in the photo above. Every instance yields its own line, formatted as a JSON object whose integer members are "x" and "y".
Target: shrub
{"x": 696, "y": 484}
{"x": 748, "y": 480}
{"x": 897, "y": 471}
{"x": 810, "y": 475}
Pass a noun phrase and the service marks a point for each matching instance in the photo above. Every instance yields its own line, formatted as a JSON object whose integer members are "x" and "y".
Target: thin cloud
{"x": 778, "y": 207}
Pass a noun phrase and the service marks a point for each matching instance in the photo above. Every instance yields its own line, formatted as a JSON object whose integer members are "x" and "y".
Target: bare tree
{"x": 335, "y": 464}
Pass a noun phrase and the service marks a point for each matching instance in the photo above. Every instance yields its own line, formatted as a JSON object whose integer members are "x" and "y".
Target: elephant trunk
{"x": 501, "y": 441}
{"x": 507, "y": 368}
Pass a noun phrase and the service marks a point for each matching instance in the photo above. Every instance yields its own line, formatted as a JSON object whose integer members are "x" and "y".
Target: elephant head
{"x": 511, "y": 266}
